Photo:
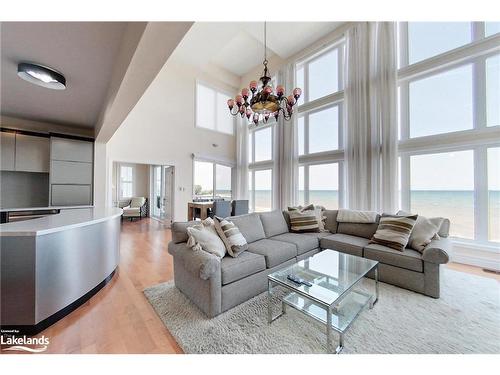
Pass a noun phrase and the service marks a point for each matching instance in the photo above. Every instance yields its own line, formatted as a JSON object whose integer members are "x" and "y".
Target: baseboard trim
{"x": 31, "y": 330}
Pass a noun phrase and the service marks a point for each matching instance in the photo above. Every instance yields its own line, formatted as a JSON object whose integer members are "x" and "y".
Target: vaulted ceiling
{"x": 239, "y": 46}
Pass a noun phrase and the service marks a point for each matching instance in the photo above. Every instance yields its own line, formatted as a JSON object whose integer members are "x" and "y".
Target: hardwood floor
{"x": 118, "y": 319}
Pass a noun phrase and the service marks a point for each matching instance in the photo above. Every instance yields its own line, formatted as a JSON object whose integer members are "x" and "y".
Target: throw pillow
{"x": 303, "y": 220}
{"x": 394, "y": 231}
{"x": 205, "y": 237}
{"x": 424, "y": 231}
{"x": 229, "y": 233}
{"x": 318, "y": 211}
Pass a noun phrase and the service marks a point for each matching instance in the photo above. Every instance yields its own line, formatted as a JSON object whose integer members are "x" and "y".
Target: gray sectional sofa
{"x": 216, "y": 285}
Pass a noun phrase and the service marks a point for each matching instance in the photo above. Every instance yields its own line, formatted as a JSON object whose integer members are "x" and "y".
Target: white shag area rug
{"x": 466, "y": 319}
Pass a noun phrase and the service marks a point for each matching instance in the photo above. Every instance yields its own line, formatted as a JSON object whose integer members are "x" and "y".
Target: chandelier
{"x": 264, "y": 102}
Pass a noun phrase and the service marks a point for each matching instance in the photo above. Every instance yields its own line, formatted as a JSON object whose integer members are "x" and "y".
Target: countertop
{"x": 66, "y": 219}
{"x": 41, "y": 208}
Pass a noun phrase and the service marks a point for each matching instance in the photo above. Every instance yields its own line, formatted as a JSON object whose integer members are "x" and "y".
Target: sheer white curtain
{"x": 383, "y": 116}
{"x": 357, "y": 113}
{"x": 288, "y": 159}
{"x": 371, "y": 119}
{"x": 241, "y": 191}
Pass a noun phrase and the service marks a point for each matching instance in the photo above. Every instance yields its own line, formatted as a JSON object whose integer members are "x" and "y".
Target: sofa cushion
{"x": 304, "y": 243}
{"x": 331, "y": 220}
{"x": 274, "y": 223}
{"x": 250, "y": 226}
{"x": 275, "y": 252}
{"x": 408, "y": 258}
{"x": 246, "y": 264}
{"x": 344, "y": 243}
{"x": 358, "y": 229}
{"x": 318, "y": 235}
{"x": 179, "y": 230}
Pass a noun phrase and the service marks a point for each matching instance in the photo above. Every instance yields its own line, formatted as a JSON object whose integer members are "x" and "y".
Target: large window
{"x": 321, "y": 74}
{"x": 441, "y": 103}
{"x": 211, "y": 180}
{"x": 449, "y": 117}
{"x": 319, "y": 184}
{"x": 261, "y": 166}
{"x": 261, "y": 190}
{"x": 126, "y": 181}
{"x": 320, "y": 127}
{"x": 211, "y": 109}
{"x": 437, "y": 190}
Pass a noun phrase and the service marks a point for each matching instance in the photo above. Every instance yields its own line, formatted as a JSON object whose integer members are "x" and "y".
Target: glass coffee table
{"x": 332, "y": 298}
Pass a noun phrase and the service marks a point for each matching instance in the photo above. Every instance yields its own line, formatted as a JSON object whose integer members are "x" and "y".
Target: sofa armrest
{"x": 200, "y": 263}
{"x": 437, "y": 251}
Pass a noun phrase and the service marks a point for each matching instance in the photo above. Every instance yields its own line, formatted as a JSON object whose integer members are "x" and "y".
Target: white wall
{"x": 161, "y": 130}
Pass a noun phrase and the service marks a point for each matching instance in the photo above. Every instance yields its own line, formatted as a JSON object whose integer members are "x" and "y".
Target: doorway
{"x": 162, "y": 193}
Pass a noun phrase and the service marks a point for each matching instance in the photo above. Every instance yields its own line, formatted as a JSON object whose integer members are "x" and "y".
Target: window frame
{"x": 216, "y": 90}
{"x": 477, "y": 139}
{"x": 131, "y": 182}
{"x": 306, "y": 60}
{"x": 214, "y": 174}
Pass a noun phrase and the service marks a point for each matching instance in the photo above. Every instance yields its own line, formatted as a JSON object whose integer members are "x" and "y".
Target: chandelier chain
{"x": 265, "y": 42}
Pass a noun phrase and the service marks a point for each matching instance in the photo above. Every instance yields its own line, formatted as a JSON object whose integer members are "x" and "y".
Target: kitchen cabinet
{"x": 32, "y": 153}
{"x": 8, "y": 150}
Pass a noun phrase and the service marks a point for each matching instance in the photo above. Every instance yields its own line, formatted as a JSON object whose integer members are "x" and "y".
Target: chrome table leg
{"x": 269, "y": 302}
{"x": 341, "y": 344}
{"x": 328, "y": 330}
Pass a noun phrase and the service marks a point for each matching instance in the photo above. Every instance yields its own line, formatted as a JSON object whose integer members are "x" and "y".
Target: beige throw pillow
{"x": 318, "y": 211}
{"x": 205, "y": 237}
{"x": 424, "y": 231}
{"x": 303, "y": 220}
{"x": 394, "y": 231}
{"x": 231, "y": 236}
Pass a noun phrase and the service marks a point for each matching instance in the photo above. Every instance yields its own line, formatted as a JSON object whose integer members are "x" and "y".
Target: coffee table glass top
{"x": 331, "y": 274}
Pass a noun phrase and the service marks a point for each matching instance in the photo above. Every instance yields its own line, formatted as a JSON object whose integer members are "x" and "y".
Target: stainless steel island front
{"x": 53, "y": 264}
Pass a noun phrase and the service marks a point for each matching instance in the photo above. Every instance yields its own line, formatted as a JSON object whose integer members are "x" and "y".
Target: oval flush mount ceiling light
{"x": 41, "y": 75}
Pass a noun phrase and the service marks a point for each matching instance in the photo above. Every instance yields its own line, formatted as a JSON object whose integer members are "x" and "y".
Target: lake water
{"x": 458, "y": 206}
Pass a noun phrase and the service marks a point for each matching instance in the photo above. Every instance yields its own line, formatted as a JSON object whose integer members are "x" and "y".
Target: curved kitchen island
{"x": 53, "y": 264}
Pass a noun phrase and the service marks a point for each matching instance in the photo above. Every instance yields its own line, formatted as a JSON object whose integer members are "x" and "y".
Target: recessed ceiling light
{"x": 41, "y": 75}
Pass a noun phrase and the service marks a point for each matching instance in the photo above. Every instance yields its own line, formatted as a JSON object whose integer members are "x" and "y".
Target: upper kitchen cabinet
{"x": 8, "y": 150}
{"x": 72, "y": 150}
{"x": 24, "y": 152}
{"x": 32, "y": 153}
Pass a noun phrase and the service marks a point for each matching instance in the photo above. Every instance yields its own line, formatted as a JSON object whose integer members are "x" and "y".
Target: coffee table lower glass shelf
{"x": 332, "y": 299}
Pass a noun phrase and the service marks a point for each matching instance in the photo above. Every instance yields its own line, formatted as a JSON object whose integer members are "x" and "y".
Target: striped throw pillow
{"x": 394, "y": 231}
{"x": 231, "y": 236}
{"x": 303, "y": 221}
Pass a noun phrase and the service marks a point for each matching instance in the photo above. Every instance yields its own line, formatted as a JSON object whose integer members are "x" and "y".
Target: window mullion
{"x": 481, "y": 194}
{"x": 405, "y": 183}
{"x": 341, "y": 184}
{"x": 306, "y": 184}
{"x": 306, "y": 134}
{"x": 479, "y": 93}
